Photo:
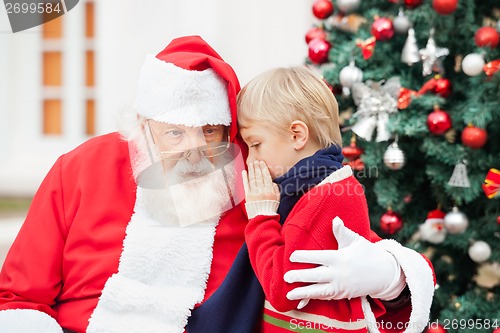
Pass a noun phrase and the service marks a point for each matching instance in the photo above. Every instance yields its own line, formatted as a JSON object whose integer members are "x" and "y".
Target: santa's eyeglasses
{"x": 210, "y": 150}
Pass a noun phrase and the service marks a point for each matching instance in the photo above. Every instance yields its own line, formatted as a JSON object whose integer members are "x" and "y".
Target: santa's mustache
{"x": 185, "y": 170}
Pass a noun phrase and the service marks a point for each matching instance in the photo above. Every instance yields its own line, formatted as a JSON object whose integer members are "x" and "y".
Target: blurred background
{"x": 66, "y": 81}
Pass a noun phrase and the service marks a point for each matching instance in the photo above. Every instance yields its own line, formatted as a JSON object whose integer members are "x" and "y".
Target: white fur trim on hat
{"x": 28, "y": 321}
{"x": 174, "y": 95}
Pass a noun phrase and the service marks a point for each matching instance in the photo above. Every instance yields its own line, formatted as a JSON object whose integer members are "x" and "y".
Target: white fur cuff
{"x": 28, "y": 321}
{"x": 420, "y": 281}
{"x": 262, "y": 207}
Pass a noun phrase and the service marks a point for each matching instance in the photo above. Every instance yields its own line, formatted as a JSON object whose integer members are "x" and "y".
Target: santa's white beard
{"x": 190, "y": 194}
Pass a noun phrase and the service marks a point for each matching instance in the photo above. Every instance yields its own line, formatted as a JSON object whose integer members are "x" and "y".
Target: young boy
{"x": 288, "y": 117}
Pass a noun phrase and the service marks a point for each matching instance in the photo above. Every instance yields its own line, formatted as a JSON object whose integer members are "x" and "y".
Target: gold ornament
{"x": 488, "y": 275}
{"x": 450, "y": 135}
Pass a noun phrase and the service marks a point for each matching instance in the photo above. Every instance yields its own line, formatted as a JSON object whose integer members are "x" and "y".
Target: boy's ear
{"x": 300, "y": 134}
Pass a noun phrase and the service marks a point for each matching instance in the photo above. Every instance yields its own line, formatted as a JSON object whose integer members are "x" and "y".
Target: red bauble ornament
{"x": 405, "y": 97}
{"x": 352, "y": 152}
{"x": 437, "y": 85}
{"x": 498, "y": 219}
{"x": 487, "y": 36}
{"x": 443, "y": 87}
{"x": 322, "y": 9}
{"x": 315, "y": 32}
{"x": 391, "y": 222}
{"x": 318, "y": 50}
{"x": 382, "y": 29}
{"x": 492, "y": 67}
{"x": 413, "y": 3}
{"x": 435, "y": 328}
{"x": 474, "y": 137}
{"x": 438, "y": 121}
{"x": 444, "y": 7}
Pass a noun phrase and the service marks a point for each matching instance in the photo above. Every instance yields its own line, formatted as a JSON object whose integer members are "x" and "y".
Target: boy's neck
{"x": 307, "y": 151}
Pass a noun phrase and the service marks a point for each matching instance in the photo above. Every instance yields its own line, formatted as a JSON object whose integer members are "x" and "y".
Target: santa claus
{"x": 143, "y": 231}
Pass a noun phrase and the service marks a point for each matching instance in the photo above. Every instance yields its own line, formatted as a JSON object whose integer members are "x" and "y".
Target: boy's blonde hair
{"x": 279, "y": 96}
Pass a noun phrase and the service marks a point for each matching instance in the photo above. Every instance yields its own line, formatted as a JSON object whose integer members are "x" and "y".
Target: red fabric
{"x": 72, "y": 238}
{"x": 193, "y": 53}
{"x": 308, "y": 227}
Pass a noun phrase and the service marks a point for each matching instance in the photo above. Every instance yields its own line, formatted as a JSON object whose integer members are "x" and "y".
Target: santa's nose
{"x": 194, "y": 156}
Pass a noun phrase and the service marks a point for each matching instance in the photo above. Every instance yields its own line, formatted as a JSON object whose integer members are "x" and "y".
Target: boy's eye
{"x": 255, "y": 145}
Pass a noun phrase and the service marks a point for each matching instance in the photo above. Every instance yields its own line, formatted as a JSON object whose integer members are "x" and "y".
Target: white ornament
{"x": 455, "y": 221}
{"x": 433, "y": 230}
{"x": 348, "y": 6}
{"x": 431, "y": 56}
{"x": 410, "y": 54}
{"x": 479, "y": 251}
{"x": 472, "y": 64}
{"x": 394, "y": 157}
{"x": 375, "y": 101}
{"x": 459, "y": 177}
{"x": 348, "y": 76}
{"x": 401, "y": 23}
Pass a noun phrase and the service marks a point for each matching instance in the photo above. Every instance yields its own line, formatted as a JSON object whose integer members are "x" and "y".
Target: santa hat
{"x": 435, "y": 216}
{"x": 188, "y": 84}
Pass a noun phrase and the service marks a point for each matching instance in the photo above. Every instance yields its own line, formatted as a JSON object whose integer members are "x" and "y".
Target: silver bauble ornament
{"x": 394, "y": 157}
{"x": 472, "y": 64}
{"x": 401, "y": 23}
{"x": 348, "y": 76}
{"x": 347, "y": 6}
{"x": 455, "y": 221}
{"x": 479, "y": 251}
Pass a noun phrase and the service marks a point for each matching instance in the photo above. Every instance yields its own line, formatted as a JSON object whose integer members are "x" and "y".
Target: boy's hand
{"x": 258, "y": 183}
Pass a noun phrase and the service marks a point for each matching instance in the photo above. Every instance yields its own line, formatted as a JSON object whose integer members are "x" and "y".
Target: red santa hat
{"x": 435, "y": 216}
{"x": 188, "y": 84}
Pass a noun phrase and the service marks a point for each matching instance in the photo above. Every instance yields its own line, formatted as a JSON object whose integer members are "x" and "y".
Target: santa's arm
{"x": 31, "y": 277}
{"x": 411, "y": 306}
{"x": 374, "y": 271}
{"x": 410, "y": 311}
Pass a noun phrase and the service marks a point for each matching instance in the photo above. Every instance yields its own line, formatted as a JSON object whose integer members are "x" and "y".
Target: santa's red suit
{"x": 71, "y": 241}
{"x": 89, "y": 258}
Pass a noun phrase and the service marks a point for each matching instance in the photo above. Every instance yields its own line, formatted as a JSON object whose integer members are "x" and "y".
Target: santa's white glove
{"x": 358, "y": 268}
{"x": 28, "y": 321}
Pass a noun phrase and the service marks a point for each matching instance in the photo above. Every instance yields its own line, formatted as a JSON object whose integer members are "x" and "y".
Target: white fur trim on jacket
{"x": 338, "y": 175}
{"x": 174, "y": 95}
{"x": 420, "y": 281}
{"x": 162, "y": 275}
{"x": 27, "y": 321}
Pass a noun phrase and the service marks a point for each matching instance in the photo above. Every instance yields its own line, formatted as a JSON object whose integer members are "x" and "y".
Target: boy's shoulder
{"x": 338, "y": 187}
{"x": 337, "y": 176}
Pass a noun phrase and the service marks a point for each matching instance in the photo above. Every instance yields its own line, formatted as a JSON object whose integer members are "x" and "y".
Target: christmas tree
{"x": 418, "y": 86}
